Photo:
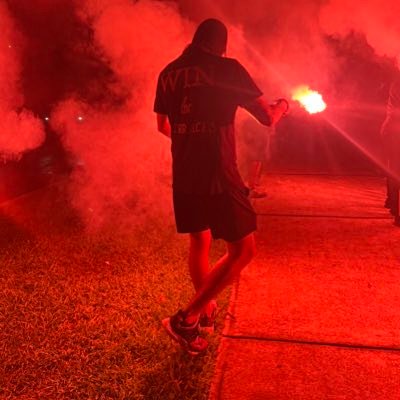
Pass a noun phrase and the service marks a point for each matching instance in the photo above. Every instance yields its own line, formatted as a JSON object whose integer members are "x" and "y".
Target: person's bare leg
{"x": 227, "y": 268}
{"x": 199, "y": 265}
{"x": 199, "y": 249}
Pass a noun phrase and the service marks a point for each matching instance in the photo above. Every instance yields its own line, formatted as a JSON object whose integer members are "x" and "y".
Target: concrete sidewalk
{"x": 317, "y": 314}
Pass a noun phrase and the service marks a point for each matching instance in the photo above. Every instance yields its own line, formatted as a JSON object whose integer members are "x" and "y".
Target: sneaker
{"x": 207, "y": 320}
{"x": 187, "y": 336}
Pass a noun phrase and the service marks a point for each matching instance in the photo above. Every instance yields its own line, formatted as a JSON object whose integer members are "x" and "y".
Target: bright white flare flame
{"x": 311, "y": 100}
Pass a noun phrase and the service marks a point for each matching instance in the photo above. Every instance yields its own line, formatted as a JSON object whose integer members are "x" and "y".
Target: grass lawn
{"x": 80, "y": 312}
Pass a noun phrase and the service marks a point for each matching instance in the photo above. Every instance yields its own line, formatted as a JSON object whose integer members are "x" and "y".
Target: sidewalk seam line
{"x": 312, "y": 343}
{"x": 321, "y": 216}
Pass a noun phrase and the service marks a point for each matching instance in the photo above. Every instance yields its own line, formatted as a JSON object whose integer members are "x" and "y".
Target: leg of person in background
{"x": 390, "y": 186}
{"x": 396, "y": 207}
{"x": 389, "y": 195}
{"x": 255, "y": 171}
{"x": 199, "y": 267}
{"x": 393, "y": 181}
{"x": 394, "y": 187}
{"x": 393, "y": 196}
{"x": 261, "y": 156}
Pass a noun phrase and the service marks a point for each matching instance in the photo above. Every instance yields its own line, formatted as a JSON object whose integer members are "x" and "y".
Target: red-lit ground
{"x": 80, "y": 312}
{"x": 317, "y": 314}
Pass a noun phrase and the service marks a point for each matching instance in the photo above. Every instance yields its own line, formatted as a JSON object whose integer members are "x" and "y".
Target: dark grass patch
{"x": 80, "y": 313}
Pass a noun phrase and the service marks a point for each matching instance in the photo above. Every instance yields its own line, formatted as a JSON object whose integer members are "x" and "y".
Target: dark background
{"x": 59, "y": 60}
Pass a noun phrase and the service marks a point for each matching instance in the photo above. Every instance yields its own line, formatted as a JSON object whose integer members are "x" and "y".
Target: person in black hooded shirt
{"x": 196, "y": 100}
{"x": 390, "y": 133}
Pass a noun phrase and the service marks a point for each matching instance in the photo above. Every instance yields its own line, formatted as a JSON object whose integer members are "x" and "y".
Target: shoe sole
{"x": 166, "y": 323}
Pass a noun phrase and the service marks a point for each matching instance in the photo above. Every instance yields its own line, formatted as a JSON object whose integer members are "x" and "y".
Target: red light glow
{"x": 309, "y": 99}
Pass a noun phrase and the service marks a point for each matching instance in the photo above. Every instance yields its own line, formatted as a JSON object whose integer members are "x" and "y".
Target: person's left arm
{"x": 267, "y": 114}
{"x": 251, "y": 98}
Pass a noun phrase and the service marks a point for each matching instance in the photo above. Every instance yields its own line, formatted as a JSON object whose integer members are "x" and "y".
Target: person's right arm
{"x": 161, "y": 110}
{"x": 267, "y": 114}
{"x": 163, "y": 125}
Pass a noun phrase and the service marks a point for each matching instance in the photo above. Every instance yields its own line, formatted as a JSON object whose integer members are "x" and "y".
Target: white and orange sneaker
{"x": 187, "y": 336}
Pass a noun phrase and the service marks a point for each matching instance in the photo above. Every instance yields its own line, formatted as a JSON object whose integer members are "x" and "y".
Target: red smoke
{"x": 19, "y": 129}
{"x": 378, "y": 21}
{"x": 283, "y": 39}
{"x": 123, "y": 162}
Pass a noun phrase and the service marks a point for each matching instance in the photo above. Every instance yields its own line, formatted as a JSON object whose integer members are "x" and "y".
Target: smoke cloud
{"x": 123, "y": 163}
{"x": 378, "y": 21}
{"x": 282, "y": 42}
{"x": 20, "y": 130}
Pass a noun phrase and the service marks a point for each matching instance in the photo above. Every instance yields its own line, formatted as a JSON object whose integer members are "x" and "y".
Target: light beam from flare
{"x": 309, "y": 99}
{"x": 287, "y": 85}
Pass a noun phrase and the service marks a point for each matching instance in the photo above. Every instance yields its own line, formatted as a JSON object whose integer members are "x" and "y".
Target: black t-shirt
{"x": 200, "y": 93}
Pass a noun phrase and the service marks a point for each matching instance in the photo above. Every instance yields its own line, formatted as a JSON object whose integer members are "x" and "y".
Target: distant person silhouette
{"x": 390, "y": 133}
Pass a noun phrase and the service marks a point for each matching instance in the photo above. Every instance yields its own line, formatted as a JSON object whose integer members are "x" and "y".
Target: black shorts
{"x": 229, "y": 215}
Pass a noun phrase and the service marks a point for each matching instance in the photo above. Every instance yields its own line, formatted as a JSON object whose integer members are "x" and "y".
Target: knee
{"x": 244, "y": 251}
{"x": 249, "y": 252}
{"x": 200, "y": 240}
